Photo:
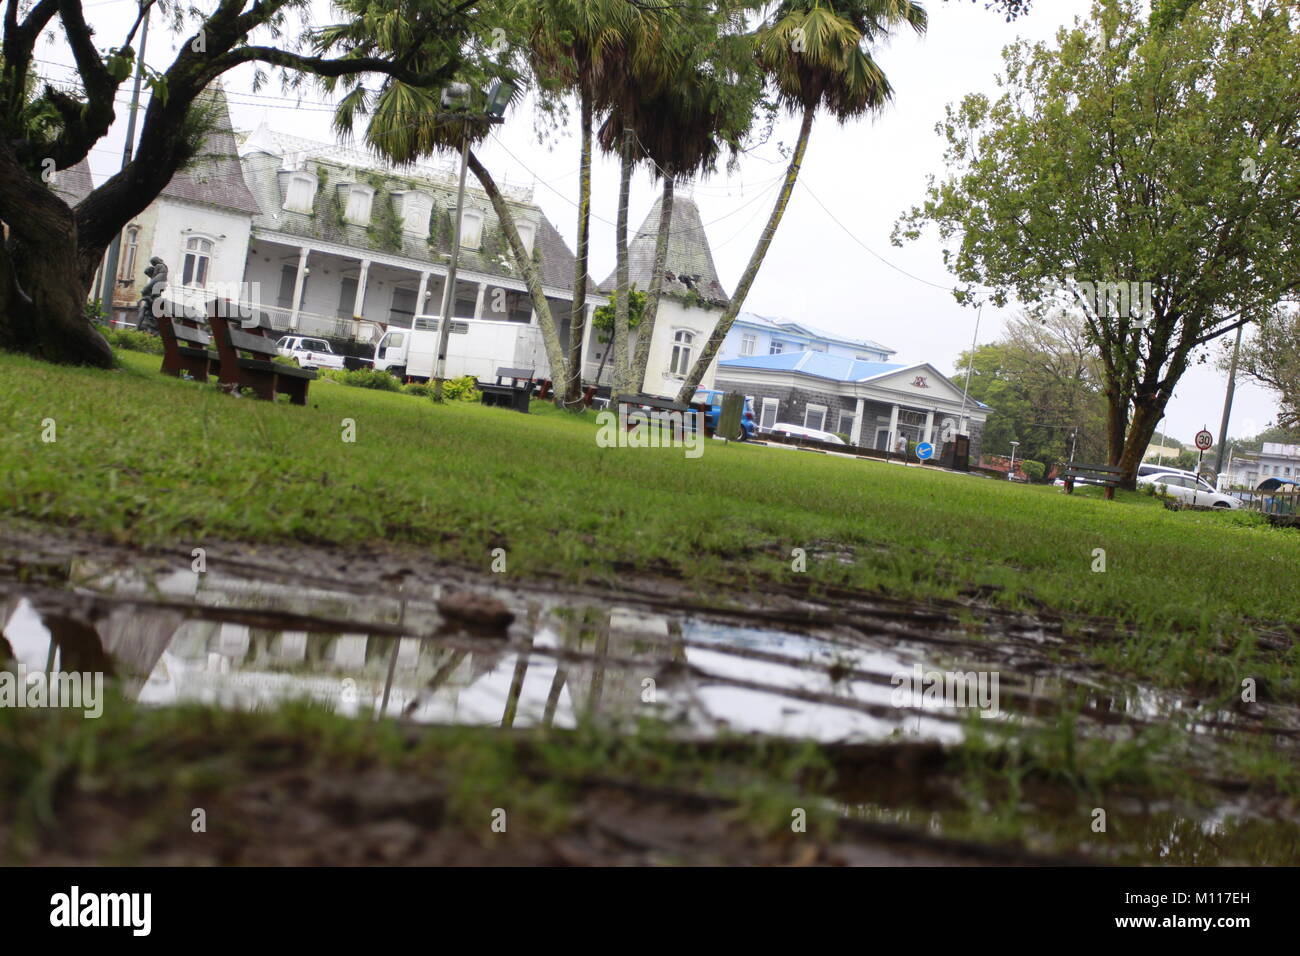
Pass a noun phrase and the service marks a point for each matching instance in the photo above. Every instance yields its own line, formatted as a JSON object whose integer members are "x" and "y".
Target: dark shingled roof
{"x": 74, "y": 183}
{"x": 214, "y": 177}
{"x": 558, "y": 259}
{"x": 689, "y": 264}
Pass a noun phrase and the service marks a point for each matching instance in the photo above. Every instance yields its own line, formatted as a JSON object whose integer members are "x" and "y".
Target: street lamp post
{"x": 1011, "y": 474}
{"x": 499, "y": 97}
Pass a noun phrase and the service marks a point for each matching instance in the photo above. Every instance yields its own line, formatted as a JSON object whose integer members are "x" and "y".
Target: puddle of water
{"x": 238, "y": 642}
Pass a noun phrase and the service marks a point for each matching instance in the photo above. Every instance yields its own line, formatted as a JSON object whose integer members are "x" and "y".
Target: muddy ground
{"x": 378, "y": 634}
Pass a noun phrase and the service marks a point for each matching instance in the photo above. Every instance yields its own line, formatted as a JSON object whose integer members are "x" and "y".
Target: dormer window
{"x": 527, "y": 231}
{"x": 359, "y": 199}
{"x": 415, "y": 209}
{"x": 471, "y": 229}
{"x": 301, "y": 193}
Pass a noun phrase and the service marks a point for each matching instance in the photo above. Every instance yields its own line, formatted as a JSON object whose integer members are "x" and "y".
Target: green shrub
{"x": 422, "y": 389}
{"x": 463, "y": 389}
{"x": 134, "y": 341}
{"x": 1034, "y": 469}
{"x": 369, "y": 378}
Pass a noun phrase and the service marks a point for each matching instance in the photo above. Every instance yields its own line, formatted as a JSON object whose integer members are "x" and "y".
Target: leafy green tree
{"x": 1042, "y": 380}
{"x": 1143, "y": 172}
{"x": 816, "y": 54}
{"x": 53, "y": 251}
{"x": 604, "y": 319}
{"x": 1272, "y": 359}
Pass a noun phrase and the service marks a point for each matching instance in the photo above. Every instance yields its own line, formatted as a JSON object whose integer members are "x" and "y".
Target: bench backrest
{"x": 231, "y": 333}
{"x": 1077, "y": 467}
{"x": 653, "y": 401}
{"x": 515, "y": 374}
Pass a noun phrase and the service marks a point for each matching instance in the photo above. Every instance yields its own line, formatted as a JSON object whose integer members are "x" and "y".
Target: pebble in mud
{"x": 479, "y": 614}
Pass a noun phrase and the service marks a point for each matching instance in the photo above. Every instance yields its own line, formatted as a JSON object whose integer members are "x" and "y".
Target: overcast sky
{"x": 842, "y": 275}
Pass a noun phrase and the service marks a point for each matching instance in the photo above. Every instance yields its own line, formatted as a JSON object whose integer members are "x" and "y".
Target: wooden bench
{"x": 654, "y": 408}
{"x": 185, "y": 343}
{"x": 599, "y": 394}
{"x": 515, "y": 395}
{"x": 1105, "y": 475}
{"x": 246, "y": 355}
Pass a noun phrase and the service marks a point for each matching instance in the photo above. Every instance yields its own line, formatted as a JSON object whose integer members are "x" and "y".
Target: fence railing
{"x": 1276, "y": 502}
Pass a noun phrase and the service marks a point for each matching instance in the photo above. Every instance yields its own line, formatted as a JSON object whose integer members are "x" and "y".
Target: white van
{"x": 475, "y": 347}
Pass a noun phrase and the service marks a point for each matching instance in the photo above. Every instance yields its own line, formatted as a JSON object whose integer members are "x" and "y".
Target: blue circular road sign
{"x": 924, "y": 450}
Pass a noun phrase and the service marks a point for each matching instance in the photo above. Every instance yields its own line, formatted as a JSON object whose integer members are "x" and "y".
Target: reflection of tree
{"x": 517, "y": 684}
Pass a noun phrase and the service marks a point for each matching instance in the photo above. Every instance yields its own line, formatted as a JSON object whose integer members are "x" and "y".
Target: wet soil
{"x": 380, "y": 634}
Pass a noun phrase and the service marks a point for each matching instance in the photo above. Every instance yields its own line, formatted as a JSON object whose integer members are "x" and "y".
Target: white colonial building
{"x": 329, "y": 240}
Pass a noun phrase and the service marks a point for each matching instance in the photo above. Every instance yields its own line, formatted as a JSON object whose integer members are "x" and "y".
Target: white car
{"x": 1189, "y": 490}
{"x": 309, "y": 353}
{"x": 798, "y": 431}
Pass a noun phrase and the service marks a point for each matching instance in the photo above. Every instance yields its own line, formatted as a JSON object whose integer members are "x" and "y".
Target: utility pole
{"x": 969, "y": 367}
{"x": 1227, "y": 402}
{"x": 109, "y": 277}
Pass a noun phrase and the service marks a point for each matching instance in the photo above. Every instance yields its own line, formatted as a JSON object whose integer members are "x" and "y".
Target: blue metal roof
{"x": 804, "y": 330}
{"x": 821, "y": 364}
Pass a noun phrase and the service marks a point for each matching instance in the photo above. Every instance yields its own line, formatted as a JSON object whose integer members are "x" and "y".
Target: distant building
{"x": 874, "y": 404}
{"x": 753, "y": 334}
{"x": 692, "y": 302}
{"x": 1277, "y": 460}
{"x": 328, "y": 240}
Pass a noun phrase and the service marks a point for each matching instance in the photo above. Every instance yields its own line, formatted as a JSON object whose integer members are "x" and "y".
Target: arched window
{"x": 681, "y": 360}
{"x": 301, "y": 193}
{"x": 198, "y": 256}
{"x": 415, "y": 213}
{"x": 130, "y": 248}
{"x": 526, "y": 233}
{"x": 471, "y": 229}
{"x": 358, "y": 208}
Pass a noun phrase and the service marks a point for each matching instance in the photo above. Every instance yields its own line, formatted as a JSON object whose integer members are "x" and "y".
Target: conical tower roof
{"x": 689, "y": 264}
{"x": 214, "y": 177}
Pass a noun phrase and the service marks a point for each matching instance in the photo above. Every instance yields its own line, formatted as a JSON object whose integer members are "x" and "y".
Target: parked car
{"x": 1189, "y": 490}
{"x": 798, "y": 431}
{"x": 1150, "y": 468}
{"x": 713, "y": 398}
{"x": 308, "y": 352}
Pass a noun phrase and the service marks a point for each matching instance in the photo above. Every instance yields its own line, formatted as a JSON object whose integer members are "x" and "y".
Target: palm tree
{"x": 585, "y": 47}
{"x": 699, "y": 99}
{"x": 813, "y": 52}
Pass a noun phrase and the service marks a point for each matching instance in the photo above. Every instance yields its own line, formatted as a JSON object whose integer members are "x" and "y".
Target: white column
{"x": 420, "y": 294}
{"x": 856, "y": 437}
{"x": 359, "y": 303}
{"x": 478, "y": 302}
{"x": 298, "y": 281}
{"x": 586, "y": 338}
{"x": 893, "y": 428}
{"x": 929, "y": 425}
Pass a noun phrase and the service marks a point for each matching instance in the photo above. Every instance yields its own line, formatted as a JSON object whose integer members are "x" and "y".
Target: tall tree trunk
{"x": 578, "y": 316}
{"x": 728, "y": 317}
{"x": 646, "y": 330}
{"x": 623, "y": 301}
{"x": 1146, "y": 416}
{"x": 532, "y": 276}
{"x": 42, "y": 282}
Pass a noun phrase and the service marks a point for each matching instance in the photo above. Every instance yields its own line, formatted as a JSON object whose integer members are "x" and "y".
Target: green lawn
{"x": 149, "y": 460}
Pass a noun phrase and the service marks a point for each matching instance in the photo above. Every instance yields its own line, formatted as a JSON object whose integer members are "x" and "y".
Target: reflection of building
{"x": 872, "y": 404}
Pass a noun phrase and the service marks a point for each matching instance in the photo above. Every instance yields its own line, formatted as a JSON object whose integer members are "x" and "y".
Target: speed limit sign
{"x": 1204, "y": 440}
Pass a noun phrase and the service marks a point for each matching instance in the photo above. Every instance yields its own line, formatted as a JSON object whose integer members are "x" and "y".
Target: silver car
{"x": 1189, "y": 490}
